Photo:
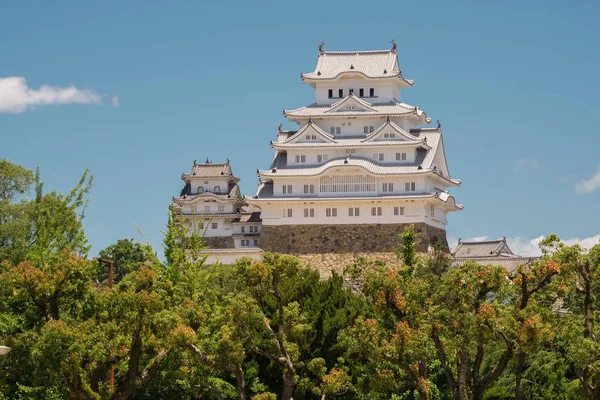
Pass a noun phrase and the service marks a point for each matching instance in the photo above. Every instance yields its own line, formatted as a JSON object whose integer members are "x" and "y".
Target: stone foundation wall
{"x": 344, "y": 239}
{"x": 224, "y": 242}
{"x": 326, "y": 263}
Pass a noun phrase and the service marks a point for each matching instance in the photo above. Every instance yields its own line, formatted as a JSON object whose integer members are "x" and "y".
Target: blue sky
{"x": 515, "y": 85}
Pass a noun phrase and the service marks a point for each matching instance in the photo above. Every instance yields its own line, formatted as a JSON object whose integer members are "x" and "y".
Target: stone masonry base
{"x": 344, "y": 239}
{"x": 223, "y": 242}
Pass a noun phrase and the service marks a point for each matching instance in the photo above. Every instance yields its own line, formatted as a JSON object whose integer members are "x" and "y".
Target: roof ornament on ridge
{"x": 394, "y": 45}
{"x": 439, "y": 124}
{"x": 321, "y": 51}
{"x": 279, "y": 127}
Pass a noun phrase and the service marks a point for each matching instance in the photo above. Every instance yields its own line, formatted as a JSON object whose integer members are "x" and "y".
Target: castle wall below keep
{"x": 343, "y": 239}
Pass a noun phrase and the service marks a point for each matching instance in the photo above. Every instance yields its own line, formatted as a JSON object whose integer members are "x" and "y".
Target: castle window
{"x": 368, "y": 129}
{"x": 309, "y": 212}
{"x": 400, "y": 156}
{"x": 217, "y": 189}
{"x": 353, "y": 212}
{"x": 376, "y": 211}
{"x": 432, "y": 211}
{"x": 410, "y": 186}
{"x": 348, "y": 151}
{"x": 331, "y": 212}
{"x": 309, "y": 188}
{"x": 388, "y": 187}
{"x": 361, "y": 92}
{"x": 398, "y": 210}
{"x": 243, "y": 229}
{"x": 341, "y": 93}
{"x": 256, "y": 242}
{"x": 330, "y": 92}
{"x": 371, "y": 92}
{"x": 287, "y": 189}
{"x": 287, "y": 213}
{"x": 206, "y": 182}
{"x": 200, "y": 190}
{"x": 335, "y": 130}
{"x": 378, "y": 156}
{"x": 214, "y": 225}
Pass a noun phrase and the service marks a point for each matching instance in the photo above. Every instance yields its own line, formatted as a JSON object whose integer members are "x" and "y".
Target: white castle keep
{"x": 358, "y": 170}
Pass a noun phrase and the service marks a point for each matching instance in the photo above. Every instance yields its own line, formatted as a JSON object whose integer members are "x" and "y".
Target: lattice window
{"x": 347, "y": 183}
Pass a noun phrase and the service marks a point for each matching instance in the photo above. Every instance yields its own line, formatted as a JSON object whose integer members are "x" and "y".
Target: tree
{"x": 271, "y": 285}
{"x": 127, "y": 255}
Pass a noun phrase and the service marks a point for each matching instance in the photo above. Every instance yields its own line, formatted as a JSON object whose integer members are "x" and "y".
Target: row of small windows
{"x": 213, "y": 225}
{"x": 349, "y": 184}
{"x": 381, "y": 156}
{"x": 217, "y": 189}
{"x": 207, "y": 209}
{"x": 251, "y": 229}
{"x": 352, "y": 212}
{"x": 320, "y": 158}
{"x": 361, "y": 93}
{"x": 248, "y": 242}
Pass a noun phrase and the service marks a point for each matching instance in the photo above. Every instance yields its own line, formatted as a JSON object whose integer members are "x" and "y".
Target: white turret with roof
{"x": 211, "y": 202}
{"x": 359, "y": 158}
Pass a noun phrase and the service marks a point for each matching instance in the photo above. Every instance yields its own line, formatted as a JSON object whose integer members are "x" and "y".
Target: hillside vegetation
{"x": 175, "y": 328}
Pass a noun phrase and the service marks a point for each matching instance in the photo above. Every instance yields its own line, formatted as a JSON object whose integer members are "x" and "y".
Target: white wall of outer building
{"x": 231, "y": 257}
{"x": 210, "y": 186}
{"x": 252, "y": 242}
{"x": 385, "y": 90}
{"x": 422, "y": 185}
{"x": 415, "y": 211}
{"x": 224, "y": 226}
{"x": 237, "y": 227}
{"x": 389, "y": 154}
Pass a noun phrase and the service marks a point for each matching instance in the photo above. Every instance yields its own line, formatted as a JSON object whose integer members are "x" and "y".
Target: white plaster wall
{"x": 231, "y": 257}
{"x": 224, "y": 227}
{"x": 384, "y": 89}
{"x": 210, "y": 186}
{"x": 414, "y": 212}
{"x": 228, "y": 207}
{"x": 389, "y": 154}
{"x": 422, "y": 185}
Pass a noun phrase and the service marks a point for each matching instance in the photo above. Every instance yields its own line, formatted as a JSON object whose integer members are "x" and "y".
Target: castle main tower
{"x": 361, "y": 166}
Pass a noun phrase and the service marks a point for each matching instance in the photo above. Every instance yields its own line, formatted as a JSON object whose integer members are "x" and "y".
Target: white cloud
{"x": 115, "y": 101}
{"x": 16, "y": 97}
{"x": 589, "y": 185}
{"x": 529, "y": 163}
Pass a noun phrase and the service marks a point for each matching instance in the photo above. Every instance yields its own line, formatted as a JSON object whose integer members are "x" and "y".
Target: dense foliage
{"x": 176, "y": 328}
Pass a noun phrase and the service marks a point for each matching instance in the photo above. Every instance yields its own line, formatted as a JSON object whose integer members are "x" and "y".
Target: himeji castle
{"x": 360, "y": 167}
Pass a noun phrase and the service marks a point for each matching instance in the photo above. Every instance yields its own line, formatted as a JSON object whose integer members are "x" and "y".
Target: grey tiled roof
{"x": 370, "y": 64}
{"x": 348, "y": 141}
{"x": 210, "y": 170}
{"x": 249, "y": 217}
{"x": 391, "y": 109}
{"x": 511, "y": 263}
{"x": 186, "y": 195}
{"x": 375, "y": 167}
{"x": 265, "y": 192}
{"x": 488, "y": 248}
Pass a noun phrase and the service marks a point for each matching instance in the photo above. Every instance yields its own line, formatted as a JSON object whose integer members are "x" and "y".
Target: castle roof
{"x": 265, "y": 193}
{"x": 489, "y": 252}
{"x": 186, "y": 196}
{"x": 210, "y": 170}
{"x": 488, "y": 248}
{"x": 378, "y": 64}
{"x": 423, "y": 162}
{"x": 374, "y": 110}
